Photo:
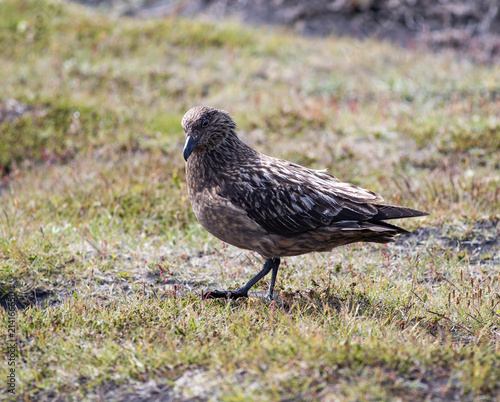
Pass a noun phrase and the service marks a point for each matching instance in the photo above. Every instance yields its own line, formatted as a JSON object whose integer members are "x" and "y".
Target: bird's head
{"x": 205, "y": 128}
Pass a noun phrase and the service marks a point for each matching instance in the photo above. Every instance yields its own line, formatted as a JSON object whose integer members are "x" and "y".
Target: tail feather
{"x": 393, "y": 212}
{"x": 371, "y": 229}
{"x": 389, "y": 226}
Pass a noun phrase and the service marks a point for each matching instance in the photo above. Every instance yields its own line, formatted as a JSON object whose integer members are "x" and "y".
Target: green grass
{"x": 107, "y": 261}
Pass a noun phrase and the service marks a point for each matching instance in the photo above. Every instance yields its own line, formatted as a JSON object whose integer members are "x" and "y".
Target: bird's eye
{"x": 205, "y": 122}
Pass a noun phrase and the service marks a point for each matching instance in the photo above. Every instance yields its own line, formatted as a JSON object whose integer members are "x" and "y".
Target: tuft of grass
{"x": 54, "y": 133}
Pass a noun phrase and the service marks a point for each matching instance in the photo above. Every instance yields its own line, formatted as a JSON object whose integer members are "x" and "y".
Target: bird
{"x": 271, "y": 206}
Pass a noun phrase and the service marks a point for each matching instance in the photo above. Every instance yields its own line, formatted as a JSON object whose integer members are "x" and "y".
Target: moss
{"x": 51, "y": 132}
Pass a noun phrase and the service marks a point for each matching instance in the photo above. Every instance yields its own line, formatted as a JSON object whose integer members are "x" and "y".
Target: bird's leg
{"x": 274, "y": 274}
{"x": 242, "y": 291}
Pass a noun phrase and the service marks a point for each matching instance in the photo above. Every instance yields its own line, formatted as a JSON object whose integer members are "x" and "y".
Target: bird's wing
{"x": 288, "y": 199}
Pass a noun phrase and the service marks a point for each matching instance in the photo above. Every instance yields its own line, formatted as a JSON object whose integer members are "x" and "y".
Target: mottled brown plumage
{"x": 272, "y": 206}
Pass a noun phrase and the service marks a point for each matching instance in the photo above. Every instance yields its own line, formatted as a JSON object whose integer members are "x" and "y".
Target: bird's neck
{"x": 211, "y": 168}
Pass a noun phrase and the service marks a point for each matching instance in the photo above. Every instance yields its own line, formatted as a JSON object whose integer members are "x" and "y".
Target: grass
{"x": 106, "y": 260}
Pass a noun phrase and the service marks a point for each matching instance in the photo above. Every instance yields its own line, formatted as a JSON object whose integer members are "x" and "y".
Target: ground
{"x": 106, "y": 262}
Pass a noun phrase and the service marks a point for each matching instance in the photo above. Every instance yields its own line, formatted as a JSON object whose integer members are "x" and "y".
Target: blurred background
{"x": 471, "y": 27}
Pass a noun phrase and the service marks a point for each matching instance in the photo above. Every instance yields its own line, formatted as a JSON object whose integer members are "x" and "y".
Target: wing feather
{"x": 296, "y": 199}
{"x": 285, "y": 198}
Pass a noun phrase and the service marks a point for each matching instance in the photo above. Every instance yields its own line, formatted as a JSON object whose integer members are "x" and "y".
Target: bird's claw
{"x": 269, "y": 297}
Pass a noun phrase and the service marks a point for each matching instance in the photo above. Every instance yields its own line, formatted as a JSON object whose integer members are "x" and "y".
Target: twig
{"x": 450, "y": 320}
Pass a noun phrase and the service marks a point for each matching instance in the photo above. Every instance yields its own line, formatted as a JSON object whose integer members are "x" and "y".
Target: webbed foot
{"x": 226, "y": 294}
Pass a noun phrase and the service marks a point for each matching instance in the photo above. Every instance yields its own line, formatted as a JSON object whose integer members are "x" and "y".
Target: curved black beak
{"x": 189, "y": 146}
